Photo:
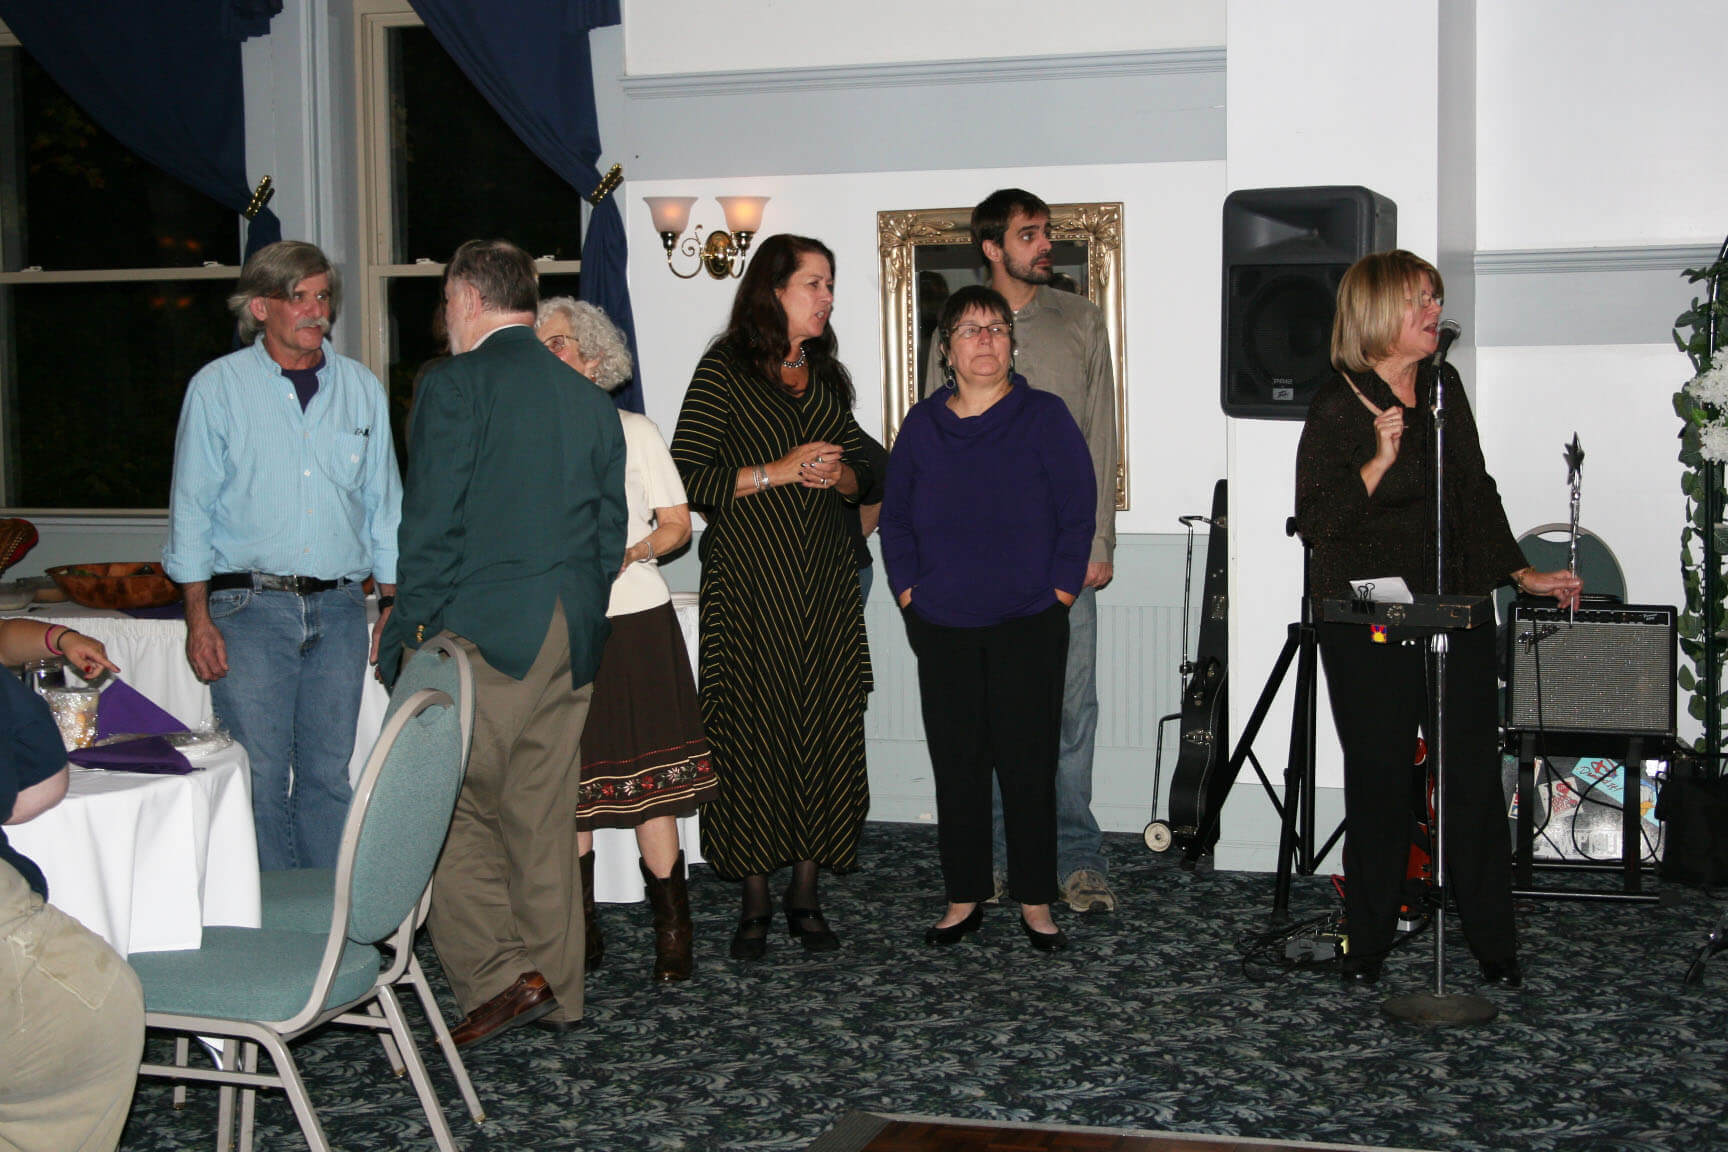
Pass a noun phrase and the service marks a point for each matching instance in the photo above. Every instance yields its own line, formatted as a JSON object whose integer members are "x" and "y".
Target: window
{"x": 439, "y": 167}
{"x": 113, "y": 286}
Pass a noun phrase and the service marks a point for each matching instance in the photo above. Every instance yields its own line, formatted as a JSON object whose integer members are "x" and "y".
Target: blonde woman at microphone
{"x": 1364, "y": 505}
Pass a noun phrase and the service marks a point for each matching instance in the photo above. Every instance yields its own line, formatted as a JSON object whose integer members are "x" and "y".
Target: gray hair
{"x": 272, "y": 273}
{"x": 500, "y": 272}
{"x": 594, "y": 331}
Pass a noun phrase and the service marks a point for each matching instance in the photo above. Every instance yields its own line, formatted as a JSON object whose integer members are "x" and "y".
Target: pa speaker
{"x": 1599, "y": 671}
{"x": 1285, "y": 250}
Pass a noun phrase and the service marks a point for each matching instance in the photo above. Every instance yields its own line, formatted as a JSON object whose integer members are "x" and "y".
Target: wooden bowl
{"x": 116, "y": 586}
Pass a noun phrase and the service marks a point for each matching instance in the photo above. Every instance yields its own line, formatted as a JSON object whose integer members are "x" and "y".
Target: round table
{"x": 145, "y": 861}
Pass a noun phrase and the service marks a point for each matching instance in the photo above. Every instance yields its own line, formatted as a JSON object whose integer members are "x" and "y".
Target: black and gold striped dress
{"x": 785, "y": 660}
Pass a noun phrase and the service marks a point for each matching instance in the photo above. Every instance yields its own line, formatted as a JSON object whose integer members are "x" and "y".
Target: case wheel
{"x": 1157, "y": 836}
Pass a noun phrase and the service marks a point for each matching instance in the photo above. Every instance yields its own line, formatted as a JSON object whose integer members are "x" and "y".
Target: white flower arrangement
{"x": 1709, "y": 389}
{"x": 1713, "y": 442}
{"x": 1711, "y": 385}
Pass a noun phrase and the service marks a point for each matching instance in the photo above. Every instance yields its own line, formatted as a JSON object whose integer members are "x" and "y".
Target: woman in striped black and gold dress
{"x": 768, "y": 450}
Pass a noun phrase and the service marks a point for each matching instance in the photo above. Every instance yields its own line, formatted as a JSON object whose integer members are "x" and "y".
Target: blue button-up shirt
{"x": 261, "y": 486}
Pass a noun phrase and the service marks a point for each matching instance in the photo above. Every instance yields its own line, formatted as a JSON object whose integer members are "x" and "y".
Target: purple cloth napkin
{"x": 151, "y": 754}
{"x": 122, "y": 710}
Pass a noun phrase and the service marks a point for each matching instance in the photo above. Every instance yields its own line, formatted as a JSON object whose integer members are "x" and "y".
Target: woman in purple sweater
{"x": 986, "y": 530}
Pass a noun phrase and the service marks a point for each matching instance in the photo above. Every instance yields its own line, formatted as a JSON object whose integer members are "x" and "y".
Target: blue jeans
{"x": 1079, "y": 842}
{"x": 296, "y": 666}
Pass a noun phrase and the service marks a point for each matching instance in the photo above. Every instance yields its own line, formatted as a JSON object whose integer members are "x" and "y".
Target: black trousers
{"x": 992, "y": 702}
{"x": 1380, "y": 697}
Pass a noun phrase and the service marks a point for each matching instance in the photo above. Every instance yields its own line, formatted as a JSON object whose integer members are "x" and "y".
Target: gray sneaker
{"x": 1088, "y": 891}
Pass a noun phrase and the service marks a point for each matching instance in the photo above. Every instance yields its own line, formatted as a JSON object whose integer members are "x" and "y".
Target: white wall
{"x": 1171, "y": 290}
{"x": 1616, "y": 399}
{"x": 671, "y": 36}
{"x": 1299, "y": 114}
{"x": 1597, "y": 123}
{"x": 1592, "y": 132}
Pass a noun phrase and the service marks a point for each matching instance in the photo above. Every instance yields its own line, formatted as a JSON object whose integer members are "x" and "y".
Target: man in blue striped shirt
{"x": 286, "y": 497}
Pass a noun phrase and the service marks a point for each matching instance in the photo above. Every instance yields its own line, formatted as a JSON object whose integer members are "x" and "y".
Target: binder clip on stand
{"x": 1439, "y": 1006}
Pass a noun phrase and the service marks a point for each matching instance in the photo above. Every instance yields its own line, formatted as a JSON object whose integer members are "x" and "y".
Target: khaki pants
{"x": 71, "y": 1028}
{"x": 507, "y": 894}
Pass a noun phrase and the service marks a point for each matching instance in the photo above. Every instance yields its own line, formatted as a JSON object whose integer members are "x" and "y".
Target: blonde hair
{"x": 1372, "y": 300}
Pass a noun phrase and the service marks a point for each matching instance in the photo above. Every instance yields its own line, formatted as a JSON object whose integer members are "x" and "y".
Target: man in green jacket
{"x": 512, "y": 529}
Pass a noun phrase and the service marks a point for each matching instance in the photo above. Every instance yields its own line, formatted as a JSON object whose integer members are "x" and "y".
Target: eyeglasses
{"x": 971, "y": 332}
{"x": 1425, "y": 299}
{"x": 560, "y": 342}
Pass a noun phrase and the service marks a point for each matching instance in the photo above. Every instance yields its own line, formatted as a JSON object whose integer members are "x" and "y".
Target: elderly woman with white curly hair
{"x": 645, "y": 760}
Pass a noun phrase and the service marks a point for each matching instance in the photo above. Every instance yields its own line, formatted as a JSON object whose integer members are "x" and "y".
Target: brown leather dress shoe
{"x": 522, "y": 1003}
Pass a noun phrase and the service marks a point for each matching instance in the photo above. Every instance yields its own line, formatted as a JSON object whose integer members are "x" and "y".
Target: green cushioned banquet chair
{"x": 302, "y": 897}
{"x": 269, "y": 986}
{"x": 1547, "y": 548}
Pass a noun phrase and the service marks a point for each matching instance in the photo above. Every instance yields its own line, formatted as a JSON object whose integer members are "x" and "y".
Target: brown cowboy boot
{"x": 670, "y": 899}
{"x": 593, "y": 944}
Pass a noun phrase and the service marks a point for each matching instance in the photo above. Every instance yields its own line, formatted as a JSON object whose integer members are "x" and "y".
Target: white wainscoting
{"x": 1139, "y": 652}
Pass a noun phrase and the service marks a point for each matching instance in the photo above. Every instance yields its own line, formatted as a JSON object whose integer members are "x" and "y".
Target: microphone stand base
{"x": 1439, "y": 1008}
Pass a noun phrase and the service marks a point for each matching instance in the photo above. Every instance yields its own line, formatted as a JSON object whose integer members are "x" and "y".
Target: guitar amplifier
{"x": 1601, "y": 671}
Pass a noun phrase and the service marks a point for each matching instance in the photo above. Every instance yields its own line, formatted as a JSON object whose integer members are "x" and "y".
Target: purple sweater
{"x": 983, "y": 518}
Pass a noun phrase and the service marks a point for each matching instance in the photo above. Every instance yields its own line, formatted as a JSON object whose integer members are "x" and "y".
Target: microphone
{"x": 1449, "y": 332}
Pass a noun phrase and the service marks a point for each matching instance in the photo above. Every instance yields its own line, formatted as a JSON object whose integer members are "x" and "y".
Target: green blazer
{"x": 514, "y": 500}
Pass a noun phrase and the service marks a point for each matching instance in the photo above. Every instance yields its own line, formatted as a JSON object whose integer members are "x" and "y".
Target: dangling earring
{"x": 947, "y": 374}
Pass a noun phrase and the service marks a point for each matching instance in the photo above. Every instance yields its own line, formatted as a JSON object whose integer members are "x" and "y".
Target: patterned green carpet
{"x": 1150, "y": 1022}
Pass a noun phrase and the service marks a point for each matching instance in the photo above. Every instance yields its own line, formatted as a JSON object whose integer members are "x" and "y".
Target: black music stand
{"x": 1436, "y": 618}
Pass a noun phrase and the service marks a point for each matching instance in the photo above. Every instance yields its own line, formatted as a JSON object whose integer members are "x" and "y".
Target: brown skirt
{"x": 643, "y": 751}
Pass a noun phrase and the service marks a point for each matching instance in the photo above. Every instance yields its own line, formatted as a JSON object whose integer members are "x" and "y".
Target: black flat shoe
{"x": 1045, "y": 941}
{"x": 942, "y": 937}
{"x": 1354, "y": 970}
{"x": 750, "y": 941}
{"x": 808, "y": 927}
{"x": 1503, "y": 973}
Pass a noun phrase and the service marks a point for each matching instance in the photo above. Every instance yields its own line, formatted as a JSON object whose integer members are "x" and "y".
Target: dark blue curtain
{"x": 161, "y": 78}
{"x": 529, "y": 58}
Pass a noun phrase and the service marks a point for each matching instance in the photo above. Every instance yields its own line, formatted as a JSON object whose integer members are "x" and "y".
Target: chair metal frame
{"x": 405, "y": 966}
{"x": 236, "y": 1066}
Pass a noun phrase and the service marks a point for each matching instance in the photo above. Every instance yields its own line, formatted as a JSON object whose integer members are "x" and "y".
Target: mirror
{"x": 928, "y": 253}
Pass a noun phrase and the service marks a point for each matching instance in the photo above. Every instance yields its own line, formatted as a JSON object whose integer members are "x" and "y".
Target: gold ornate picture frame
{"x": 927, "y": 253}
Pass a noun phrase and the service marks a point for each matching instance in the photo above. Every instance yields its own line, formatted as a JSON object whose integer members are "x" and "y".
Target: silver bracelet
{"x": 762, "y": 477}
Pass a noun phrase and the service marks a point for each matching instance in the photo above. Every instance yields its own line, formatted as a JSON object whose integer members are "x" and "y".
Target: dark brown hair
{"x": 990, "y": 218}
{"x": 756, "y": 330}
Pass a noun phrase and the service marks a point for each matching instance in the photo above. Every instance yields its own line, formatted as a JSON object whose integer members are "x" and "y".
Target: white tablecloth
{"x": 152, "y": 658}
{"x": 146, "y": 861}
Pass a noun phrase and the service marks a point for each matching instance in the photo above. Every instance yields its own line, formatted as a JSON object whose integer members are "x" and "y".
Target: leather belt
{"x": 265, "y": 582}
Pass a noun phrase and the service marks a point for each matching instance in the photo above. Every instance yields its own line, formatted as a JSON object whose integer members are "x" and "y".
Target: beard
{"x": 1027, "y": 273}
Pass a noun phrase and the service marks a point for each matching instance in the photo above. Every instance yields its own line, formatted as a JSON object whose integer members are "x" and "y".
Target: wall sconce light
{"x": 722, "y": 254}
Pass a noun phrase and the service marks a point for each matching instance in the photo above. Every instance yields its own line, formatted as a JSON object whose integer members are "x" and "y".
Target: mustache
{"x": 317, "y": 322}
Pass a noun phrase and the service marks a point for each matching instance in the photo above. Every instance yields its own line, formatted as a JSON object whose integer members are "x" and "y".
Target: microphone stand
{"x": 1439, "y": 1006}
